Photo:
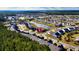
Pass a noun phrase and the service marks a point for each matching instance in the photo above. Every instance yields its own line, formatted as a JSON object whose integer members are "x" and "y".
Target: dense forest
{"x": 12, "y": 41}
{"x": 63, "y": 12}
{"x": 54, "y": 12}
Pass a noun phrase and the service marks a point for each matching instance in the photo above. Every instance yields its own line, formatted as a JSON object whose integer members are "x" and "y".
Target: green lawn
{"x": 72, "y": 36}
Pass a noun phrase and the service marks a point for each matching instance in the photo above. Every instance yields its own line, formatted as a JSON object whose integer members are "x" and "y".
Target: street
{"x": 41, "y": 41}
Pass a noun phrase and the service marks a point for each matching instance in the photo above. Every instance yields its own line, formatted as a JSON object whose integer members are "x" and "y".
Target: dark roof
{"x": 15, "y": 26}
{"x": 33, "y": 28}
{"x": 57, "y": 34}
{"x": 76, "y": 28}
{"x": 67, "y": 30}
{"x": 71, "y": 29}
{"x": 61, "y": 31}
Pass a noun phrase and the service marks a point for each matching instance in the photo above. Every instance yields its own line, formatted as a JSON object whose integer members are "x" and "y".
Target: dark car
{"x": 50, "y": 41}
{"x": 62, "y": 48}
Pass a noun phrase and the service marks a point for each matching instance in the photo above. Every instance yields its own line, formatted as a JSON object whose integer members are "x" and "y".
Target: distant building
{"x": 22, "y": 18}
{"x": 39, "y": 29}
{"x": 40, "y": 25}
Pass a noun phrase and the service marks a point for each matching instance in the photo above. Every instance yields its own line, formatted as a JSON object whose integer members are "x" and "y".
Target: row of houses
{"x": 66, "y": 30}
{"x": 23, "y": 26}
{"x": 58, "y": 20}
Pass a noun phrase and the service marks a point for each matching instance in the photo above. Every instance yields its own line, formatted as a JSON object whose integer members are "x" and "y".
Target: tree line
{"x": 12, "y": 41}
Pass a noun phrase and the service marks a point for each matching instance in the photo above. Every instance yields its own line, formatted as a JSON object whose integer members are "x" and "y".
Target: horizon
{"x": 38, "y": 8}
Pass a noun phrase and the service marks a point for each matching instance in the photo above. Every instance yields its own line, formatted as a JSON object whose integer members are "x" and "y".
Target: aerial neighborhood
{"x": 59, "y": 30}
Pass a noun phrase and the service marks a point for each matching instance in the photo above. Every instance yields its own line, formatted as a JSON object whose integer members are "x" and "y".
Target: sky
{"x": 39, "y": 8}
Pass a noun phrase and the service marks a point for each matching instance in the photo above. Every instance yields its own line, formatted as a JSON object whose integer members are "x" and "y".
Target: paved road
{"x": 41, "y": 41}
